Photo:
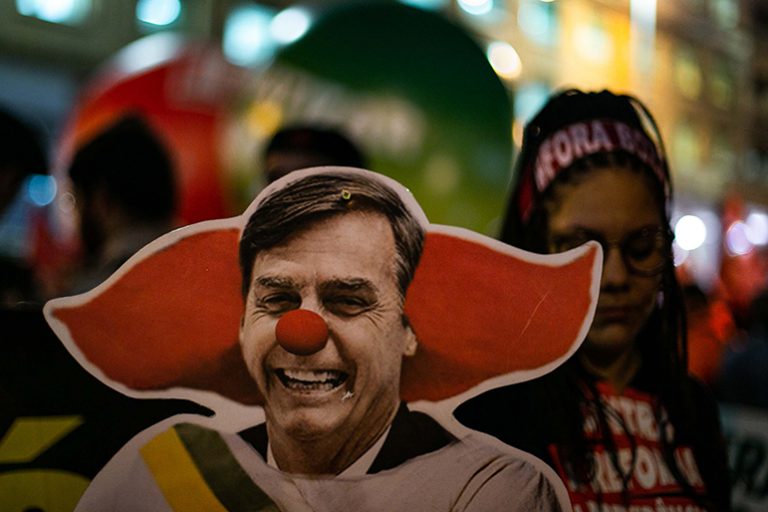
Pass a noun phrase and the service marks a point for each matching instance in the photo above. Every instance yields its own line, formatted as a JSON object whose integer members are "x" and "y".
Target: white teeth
{"x": 312, "y": 375}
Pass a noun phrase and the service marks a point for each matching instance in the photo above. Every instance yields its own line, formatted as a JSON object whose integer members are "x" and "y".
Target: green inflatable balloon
{"x": 414, "y": 90}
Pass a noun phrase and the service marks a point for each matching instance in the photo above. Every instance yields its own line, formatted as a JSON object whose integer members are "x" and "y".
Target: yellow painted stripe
{"x": 29, "y": 437}
{"x": 177, "y": 475}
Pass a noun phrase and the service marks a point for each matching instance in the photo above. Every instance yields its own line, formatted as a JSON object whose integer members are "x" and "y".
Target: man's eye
{"x": 279, "y": 302}
{"x": 347, "y": 305}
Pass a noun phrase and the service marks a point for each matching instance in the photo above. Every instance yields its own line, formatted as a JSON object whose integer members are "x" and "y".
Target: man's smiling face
{"x": 342, "y": 268}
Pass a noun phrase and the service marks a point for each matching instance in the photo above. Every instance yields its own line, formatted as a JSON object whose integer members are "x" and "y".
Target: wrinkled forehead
{"x": 338, "y": 232}
{"x": 350, "y": 253}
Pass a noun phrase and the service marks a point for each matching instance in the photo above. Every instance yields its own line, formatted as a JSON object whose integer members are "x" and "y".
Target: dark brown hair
{"x": 314, "y": 197}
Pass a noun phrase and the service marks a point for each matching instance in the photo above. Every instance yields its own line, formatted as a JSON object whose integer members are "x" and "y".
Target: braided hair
{"x": 631, "y": 140}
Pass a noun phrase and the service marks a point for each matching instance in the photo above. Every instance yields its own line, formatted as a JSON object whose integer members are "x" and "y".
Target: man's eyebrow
{"x": 349, "y": 284}
{"x": 278, "y": 282}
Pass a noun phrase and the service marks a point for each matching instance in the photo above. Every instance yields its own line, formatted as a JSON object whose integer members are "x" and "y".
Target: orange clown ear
{"x": 168, "y": 320}
{"x": 481, "y": 309}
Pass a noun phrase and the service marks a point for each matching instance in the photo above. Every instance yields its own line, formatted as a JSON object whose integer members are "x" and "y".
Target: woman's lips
{"x": 614, "y": 313}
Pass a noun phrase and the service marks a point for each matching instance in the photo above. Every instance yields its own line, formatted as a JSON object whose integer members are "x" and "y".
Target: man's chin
{"x": 312, "y": 426}
{"x": 310, "y": 422}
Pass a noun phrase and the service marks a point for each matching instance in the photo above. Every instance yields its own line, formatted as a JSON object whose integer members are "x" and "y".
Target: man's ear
{"x": 411, "y": 343}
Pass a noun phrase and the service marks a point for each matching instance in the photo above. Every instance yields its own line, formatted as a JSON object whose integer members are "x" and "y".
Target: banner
{"x": 746, "y": 430}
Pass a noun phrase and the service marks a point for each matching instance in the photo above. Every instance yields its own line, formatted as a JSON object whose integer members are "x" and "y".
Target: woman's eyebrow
{"x": 577, "y": 231}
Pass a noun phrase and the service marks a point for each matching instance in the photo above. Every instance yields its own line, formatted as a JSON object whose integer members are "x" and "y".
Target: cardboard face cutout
{"x": 324, "y": 341}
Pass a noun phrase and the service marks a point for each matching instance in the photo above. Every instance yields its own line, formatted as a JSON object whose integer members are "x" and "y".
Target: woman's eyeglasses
{"x": 644, "y": 251}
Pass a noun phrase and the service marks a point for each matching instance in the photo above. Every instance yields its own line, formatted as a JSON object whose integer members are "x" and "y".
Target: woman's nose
{"x": 615, "y": 271}
{"x": 301, "y": 332}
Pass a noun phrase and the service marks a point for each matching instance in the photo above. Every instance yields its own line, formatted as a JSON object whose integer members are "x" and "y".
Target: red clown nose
{"x": 301, "y": 332}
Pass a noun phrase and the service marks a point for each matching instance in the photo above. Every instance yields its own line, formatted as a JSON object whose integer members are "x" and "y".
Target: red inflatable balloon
{"x": 301, "y": 332}
{"x": 185, "y": 90}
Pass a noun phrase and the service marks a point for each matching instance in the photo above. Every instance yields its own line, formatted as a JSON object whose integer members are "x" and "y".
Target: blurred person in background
{"x": 304, "y": 145}
{"x": 711, "y": 328}
{"x": 621, "y": 421}
{"x": 125, "y": 194}
{"x": 21, "y": 156}
{"x": 744, "y": 372}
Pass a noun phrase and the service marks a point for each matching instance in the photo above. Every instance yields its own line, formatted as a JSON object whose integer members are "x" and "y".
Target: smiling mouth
{"x": 311, "y": 380}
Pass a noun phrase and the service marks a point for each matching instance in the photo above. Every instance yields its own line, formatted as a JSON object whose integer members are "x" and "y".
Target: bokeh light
{"x": 476, "y": 7}
{"x": 69, "y": 12}
{"x": 688, "y": 74}
{"x": 593, "y": 42}
{"x": 504, "y": 60}
{"x": 679, "y": 254}
{"x": 737, "y": 239}
{"x": 289, "y": 25}
{"x": 537, "y": 20}
{"x": 247, "y": 36}
{"x": 41, "y": 189}
{"x": 430, "y": 5}
{"x": 690, "y": 232}
{"x": 757, "y": 222}
{"x": 158, "y": 12}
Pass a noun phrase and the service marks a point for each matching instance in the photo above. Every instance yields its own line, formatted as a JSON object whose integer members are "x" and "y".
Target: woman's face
{"x": 616, "y": 207}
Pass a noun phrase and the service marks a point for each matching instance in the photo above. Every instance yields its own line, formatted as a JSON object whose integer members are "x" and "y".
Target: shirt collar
{"x": 357, "y": 468}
